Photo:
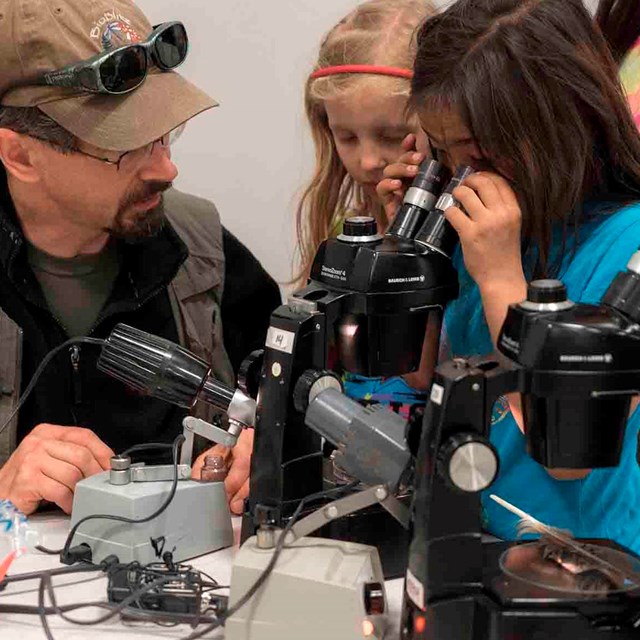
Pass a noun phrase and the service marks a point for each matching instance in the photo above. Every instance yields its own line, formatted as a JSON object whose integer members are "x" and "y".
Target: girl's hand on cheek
{"x": 489, "y": 231}
{"x": 398, "y": 176}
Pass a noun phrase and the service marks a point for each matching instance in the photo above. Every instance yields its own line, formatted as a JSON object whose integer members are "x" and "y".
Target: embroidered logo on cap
{"x": 114, "y": 30}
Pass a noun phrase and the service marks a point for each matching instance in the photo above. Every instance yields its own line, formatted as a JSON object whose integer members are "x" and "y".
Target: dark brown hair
{"x": 619, "y": 21}
{"x": 33, "y": 122}
{"x": 535, "y": 83}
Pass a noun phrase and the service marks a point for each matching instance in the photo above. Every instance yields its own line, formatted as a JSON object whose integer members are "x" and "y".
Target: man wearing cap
{"x": 91, "y": 234}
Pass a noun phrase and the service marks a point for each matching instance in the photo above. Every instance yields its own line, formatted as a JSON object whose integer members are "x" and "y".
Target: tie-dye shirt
{"x": 393, "y": 392}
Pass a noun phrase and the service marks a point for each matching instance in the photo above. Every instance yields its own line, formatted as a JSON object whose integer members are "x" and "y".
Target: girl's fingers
{"x": 409, "y": 143}
{"x": 486, "y": 189}
{"x": 459, "y": 220}
{"x": 471, "y": 202}
{"x": 506, "y": 191}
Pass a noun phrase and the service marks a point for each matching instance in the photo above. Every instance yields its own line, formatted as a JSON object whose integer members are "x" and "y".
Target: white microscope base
{"x": 197, "y": 521}
{"x": 316, "y": 592}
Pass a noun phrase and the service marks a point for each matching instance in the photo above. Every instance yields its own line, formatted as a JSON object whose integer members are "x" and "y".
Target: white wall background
{"x": 252, "y": 154}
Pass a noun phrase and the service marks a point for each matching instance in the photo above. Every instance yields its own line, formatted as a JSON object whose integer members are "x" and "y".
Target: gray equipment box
{"x": 319, "y": 590}
{"x": 197, "y": 521}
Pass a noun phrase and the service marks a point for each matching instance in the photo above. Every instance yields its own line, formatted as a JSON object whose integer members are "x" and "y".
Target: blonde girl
{"x": 355, "y": 102}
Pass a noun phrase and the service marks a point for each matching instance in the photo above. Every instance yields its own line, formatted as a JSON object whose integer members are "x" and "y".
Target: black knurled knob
{"x": 546, "y": 291}
{"x": 360, "y": 226}
{"x": 249, "y": 373}
{"x": 308, "y": 381}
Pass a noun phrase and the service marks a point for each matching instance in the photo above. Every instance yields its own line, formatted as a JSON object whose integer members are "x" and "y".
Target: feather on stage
{"x": 590, "y": 571}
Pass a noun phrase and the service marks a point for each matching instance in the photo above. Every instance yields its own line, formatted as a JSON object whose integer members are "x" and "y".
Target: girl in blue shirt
{"x": 527, "y": 93}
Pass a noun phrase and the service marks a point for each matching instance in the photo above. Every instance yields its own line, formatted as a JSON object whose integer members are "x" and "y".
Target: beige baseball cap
{"x": 38, "y": 36}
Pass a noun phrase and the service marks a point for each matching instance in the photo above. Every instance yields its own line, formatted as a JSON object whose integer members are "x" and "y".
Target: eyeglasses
{"x": 124, "y": 69}
{"x": 129, "y": 159}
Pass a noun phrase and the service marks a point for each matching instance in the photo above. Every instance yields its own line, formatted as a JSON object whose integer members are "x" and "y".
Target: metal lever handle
{"x": 349, "y": 504}
{"x": 159, "y": 472}
{"x": 194, "y": 426}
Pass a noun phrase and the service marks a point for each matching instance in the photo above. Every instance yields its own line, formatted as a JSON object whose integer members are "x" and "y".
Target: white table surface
{"x": 53, "y": 530}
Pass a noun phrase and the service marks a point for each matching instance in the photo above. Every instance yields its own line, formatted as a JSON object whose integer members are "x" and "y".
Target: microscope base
{"x": 376, "y": 527}
{"x": 197, "y": 521}
{"x": 318, "y": 589}
{"x": 505, "y": 607}
{"x": 373, "y": 526}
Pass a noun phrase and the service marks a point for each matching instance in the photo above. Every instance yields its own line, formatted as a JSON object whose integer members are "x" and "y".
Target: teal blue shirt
{"x": 606, "y": 504}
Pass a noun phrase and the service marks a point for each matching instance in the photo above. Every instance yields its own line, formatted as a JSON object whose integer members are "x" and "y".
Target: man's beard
{"x": 130, "y": 224}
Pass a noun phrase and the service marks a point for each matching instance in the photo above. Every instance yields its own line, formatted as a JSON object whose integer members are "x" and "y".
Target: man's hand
{"x": 48, "y": 464}
{"x": 238, "y": 461}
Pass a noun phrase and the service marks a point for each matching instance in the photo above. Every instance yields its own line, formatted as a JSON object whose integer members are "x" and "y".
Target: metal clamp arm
{"x": 350, "y": 504}
{"x": 194, "y": 426}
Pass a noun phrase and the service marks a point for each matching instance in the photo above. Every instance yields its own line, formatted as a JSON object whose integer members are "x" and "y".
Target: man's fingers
{"x": 237, "y": 501}
{"x": 84, "y": 437}
{"x": 235, "y": 479}
{"x": 60, "y": 471}
{"x": 240, "y": 464}
{"x": 55, "y": 492}
{"x": 73, "y": 454}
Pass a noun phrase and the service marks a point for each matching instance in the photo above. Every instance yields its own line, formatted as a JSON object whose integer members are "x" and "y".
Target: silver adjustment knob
{"x": 469, "y": 462}
{"x": 120, "y": 473}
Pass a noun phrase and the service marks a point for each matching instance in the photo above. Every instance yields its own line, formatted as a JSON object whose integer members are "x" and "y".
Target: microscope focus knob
{"x": 310, "y": 384}
{"x": 546, "y": 295}
{"x": 546, "y": 291}
{"x": 250, "y": 372}
{"x": 469, "y": 462}
{"x": 360, "y": 229}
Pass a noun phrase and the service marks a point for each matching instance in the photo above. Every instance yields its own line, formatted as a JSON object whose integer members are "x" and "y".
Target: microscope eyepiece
{"x": 419, "y": 199}
{"x": 623, "y": 293}
{"x": 436, "y": 233}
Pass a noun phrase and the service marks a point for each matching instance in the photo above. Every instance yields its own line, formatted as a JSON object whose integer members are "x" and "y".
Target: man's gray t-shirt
{"x": 77, "y": 288}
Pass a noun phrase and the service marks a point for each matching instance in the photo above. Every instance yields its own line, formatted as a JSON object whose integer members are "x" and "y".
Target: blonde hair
{"x": 377, "y": 32}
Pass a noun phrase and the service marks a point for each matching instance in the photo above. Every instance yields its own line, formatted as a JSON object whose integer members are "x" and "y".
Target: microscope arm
{"x": 378, "y": 494}
{"x": 195, "y": 426}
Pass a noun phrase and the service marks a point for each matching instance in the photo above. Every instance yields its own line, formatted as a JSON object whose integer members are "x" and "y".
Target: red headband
{"x": 362, "y": 68}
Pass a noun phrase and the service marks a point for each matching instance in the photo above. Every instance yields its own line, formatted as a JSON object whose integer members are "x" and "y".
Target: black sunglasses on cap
{"x": 124, "y": 69}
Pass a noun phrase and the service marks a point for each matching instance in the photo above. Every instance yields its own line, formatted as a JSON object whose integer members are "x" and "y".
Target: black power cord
{"x": 59, "y": 571}
{"x": 46, "y": 586}
{"x": 127, "y": 605}
{"x": 69, "y": 558}
{"x": 146, "y": 447}
{"x": 124, "y": 607}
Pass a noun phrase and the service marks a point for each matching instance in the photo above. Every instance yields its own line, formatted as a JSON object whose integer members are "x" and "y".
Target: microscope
{"x": 280, "y": 576}
{"x": 576, "y": 367}
{"x": 159, "y": 368}
{"x": 370, "y": 301}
